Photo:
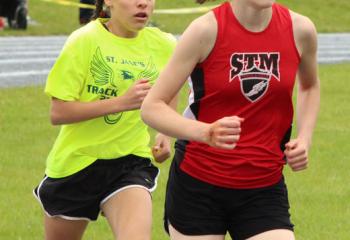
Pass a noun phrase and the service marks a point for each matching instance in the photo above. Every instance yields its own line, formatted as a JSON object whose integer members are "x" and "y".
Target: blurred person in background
{"x": 2, "y": 23}
{"x": 15, "y": 11}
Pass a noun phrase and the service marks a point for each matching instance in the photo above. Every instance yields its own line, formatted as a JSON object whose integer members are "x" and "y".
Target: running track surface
{"x": 27, "y": 60}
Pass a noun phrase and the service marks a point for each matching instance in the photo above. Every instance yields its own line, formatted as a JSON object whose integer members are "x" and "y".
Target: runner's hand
{"x": 134, "y": 96}
{"x": 297, "y": 154}
{"x": 161, "y": 148}
{"x": 225, "y": 132}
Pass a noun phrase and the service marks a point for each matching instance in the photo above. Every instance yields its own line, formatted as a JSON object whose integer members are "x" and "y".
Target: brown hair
{"x": 99, "y": 9}
{"x": 202, "y": 1}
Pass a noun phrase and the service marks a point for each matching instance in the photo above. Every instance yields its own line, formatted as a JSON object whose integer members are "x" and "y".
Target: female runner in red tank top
{"x": 233, "y": 140}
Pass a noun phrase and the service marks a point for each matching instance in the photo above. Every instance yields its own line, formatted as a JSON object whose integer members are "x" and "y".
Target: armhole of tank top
{"x": 217, "y": 40}
{"x": 291, "y": 33}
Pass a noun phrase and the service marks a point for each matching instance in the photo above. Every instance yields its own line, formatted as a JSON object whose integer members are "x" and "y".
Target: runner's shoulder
{"x": 160, "y": 37}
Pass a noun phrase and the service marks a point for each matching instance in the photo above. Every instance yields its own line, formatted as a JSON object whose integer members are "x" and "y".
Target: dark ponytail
{"x": 99, "y": 9}
{"x": 202, "y": 1}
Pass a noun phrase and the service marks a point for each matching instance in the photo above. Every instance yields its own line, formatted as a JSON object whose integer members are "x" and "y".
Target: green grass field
{"x": 319, "y": 196}
{"x": 55, "y": 19}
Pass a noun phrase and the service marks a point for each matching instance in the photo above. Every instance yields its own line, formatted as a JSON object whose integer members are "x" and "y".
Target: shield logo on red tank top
{"x": 254, "y": 83}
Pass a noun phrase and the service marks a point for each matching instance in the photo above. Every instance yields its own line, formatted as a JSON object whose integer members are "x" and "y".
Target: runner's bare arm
{"x": 308, "y": 97}
{"x": 66, "y": 112}
{"x": 189, "y": 52}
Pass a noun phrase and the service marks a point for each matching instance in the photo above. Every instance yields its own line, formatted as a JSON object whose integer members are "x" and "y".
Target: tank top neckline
{"x": 236, "y": 21}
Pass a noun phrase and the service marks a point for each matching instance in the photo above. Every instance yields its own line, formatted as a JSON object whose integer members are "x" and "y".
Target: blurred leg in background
{"x": 16, "y": 13}
{"x": 2, "y": 23}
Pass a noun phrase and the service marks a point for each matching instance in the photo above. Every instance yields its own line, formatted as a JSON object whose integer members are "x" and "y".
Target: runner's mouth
{"x": 141, "y": 15}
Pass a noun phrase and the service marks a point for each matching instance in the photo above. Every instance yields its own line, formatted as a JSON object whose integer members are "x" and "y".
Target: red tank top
{"x": 250, "y": 75}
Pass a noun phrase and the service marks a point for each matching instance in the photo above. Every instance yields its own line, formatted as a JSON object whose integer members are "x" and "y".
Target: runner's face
{"x": 130, "y": 15}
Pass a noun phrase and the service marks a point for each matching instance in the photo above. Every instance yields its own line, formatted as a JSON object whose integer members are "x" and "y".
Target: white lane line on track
{"x": 336, "y": 53}
{"x": 30, "y": 48}
{"x": 24, "y": 73}
{"x": 328, "y": 60}
{"x": 34, "y": 53}
{"x": 27, "y": 60}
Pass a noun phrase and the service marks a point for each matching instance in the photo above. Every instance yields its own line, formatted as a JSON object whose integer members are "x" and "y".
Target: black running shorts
{"x": 80, "y": 195}
{"x": 194, "y": 207}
